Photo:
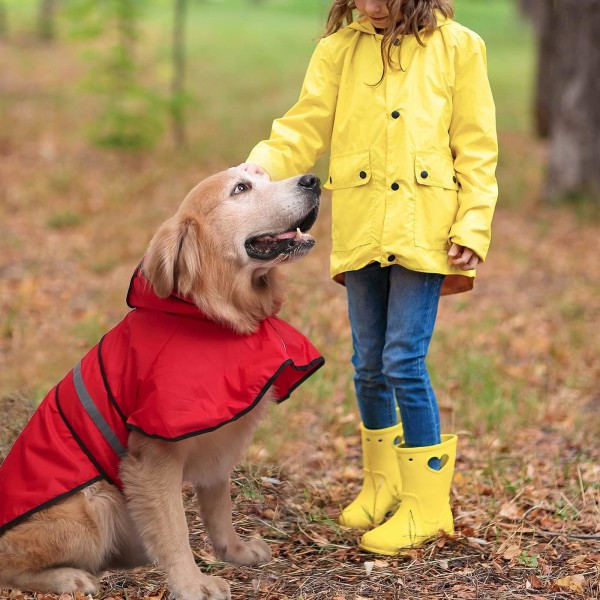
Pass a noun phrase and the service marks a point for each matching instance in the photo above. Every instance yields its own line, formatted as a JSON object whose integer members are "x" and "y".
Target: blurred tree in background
{"x": 566, "y": 107}
{"x": 117, "y": 79}
{"x": 3, "y": 20}
{"x": 178, "y": 94}
{"x": 539, "y": 14}
{"x": 46, "y": 20}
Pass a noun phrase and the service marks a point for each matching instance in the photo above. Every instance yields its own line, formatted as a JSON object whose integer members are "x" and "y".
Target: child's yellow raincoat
{"x": 413, "y": 159}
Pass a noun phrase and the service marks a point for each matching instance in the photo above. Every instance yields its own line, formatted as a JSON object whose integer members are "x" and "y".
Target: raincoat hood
{"x": 141, "y": 295}
{"x": 165, "y": 371}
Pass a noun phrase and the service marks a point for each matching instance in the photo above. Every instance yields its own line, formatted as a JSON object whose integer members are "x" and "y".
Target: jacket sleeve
{"x": 304, "y": 132}
{"x": 474, "y": 144}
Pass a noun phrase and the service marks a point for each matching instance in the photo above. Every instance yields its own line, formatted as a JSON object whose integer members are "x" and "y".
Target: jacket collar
{"x": 141, "y": 295}
{"x": 364, "y": 25}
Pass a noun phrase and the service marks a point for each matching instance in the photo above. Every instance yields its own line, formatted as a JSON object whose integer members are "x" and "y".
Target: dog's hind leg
{"x": 60, "y": 580}
{"x": 57, "y": 549}
{"x": 214, "y": 503}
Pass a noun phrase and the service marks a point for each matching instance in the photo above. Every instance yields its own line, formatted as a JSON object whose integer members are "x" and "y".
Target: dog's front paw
{"x": 66, "y": 580}
{"x": 204, "y": 587}
{"x": 252, "y": 552}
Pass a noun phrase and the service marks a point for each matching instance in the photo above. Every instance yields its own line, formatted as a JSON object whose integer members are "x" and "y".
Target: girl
{"x": 401, "y": 98}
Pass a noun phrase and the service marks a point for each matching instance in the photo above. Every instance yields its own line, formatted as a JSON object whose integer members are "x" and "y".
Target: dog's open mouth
{"x": 294, "y": 241}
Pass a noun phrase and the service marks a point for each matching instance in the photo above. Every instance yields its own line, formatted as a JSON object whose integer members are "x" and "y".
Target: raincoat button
{"x": 396, "y": 42}
{"x": 424, "y": 174}
{"x": 395, "y": 114}
{"x": 330, "y": 180}
{"x": 362, "y": 175}
{"x": 391, "y": 258}
{"x": 395, "y": 186}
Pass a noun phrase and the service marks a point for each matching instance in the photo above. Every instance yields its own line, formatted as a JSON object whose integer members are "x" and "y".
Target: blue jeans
{"x": 392, "y": 314}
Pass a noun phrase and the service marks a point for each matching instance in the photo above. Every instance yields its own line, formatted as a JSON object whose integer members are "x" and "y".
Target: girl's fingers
{"x": 463, "y": 257}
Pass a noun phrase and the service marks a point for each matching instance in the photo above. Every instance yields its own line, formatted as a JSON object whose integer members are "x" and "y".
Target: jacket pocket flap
{"x": 349, "y": 170}
{"x": 434, "y": 169}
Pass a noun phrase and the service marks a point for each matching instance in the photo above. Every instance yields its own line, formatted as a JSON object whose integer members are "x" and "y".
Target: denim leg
{"x": 368, "y": 290}
{"x": 412, "y": 310}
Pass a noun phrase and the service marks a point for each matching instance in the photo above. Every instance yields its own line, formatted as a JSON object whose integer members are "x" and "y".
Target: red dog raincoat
{"x": 165, "y": 371}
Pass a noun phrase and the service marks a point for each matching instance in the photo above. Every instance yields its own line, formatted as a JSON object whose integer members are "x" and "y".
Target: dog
{"x": 171, "y": 394}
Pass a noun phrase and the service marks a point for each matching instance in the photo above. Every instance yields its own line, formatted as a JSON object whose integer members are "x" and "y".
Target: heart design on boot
{"x": 437, "y": 463}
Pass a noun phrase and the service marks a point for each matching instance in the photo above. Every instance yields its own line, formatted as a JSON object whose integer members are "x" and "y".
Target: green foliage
{"x": 247, "y": 480}
{"x": 64, "y": 220}
{"x": 10, "y": 323}
{"x": 528, "y": 560}
{"x": 565, "y": 511}
{"x": 131, "y": 114}
{"x": 89, "y": 330}
{"x": 478, "y": 389}
{"x": 131, "y": 121}
{"x": 3, "y": 20}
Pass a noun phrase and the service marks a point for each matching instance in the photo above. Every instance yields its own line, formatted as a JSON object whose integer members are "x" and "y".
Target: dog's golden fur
{"x": 200, "y": 252}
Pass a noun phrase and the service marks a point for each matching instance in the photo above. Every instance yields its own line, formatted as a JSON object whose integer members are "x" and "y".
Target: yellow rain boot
{"x": 425, "y": 501}
{"x": 380, "y": 491}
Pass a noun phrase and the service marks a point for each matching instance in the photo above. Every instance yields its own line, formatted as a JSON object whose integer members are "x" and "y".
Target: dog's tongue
{"x": 287, "y": 235}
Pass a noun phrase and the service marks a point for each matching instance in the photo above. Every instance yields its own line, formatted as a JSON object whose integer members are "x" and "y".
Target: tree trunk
{"x": 46, "y": 20}
{"x": 533, "y": 10}
{"x": 541, "y": 13}
{"x": 3, "y": 20}
{"x": 178, "y": 81}
{"x": 574, "y": 169}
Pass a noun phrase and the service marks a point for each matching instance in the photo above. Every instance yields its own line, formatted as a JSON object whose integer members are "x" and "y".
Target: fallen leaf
{"x": 511, "y": 552}
{"x": 534, "y": 582}
{"x": 571, "y": 582}
{"x": 381, "y": 564}
{"x": 511, "y": 511}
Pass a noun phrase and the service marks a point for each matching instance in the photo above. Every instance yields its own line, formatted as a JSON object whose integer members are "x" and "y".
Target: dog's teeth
{"x": 298, "y": 233}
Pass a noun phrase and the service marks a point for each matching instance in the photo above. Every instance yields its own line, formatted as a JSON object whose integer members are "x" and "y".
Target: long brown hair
{"x": 412, "y": 17}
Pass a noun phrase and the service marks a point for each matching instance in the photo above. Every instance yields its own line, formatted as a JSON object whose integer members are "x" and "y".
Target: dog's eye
{"x": 240, "y": 187}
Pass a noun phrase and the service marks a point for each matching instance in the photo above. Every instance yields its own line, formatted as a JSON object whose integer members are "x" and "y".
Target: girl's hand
{"x": 463, "y": 257}
{"x": 254, "y": 169}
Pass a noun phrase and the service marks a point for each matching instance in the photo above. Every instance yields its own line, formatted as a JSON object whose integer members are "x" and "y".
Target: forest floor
{"x": 515, "y": 365}
{"x": 526, "y": 490}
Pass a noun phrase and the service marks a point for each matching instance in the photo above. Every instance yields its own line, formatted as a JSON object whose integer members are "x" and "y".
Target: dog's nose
{"x": 310, "y": 182}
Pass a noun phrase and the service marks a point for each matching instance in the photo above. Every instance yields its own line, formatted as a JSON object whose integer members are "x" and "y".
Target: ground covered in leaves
{"x": 506, "y": 545}
{"x": 515, "y": 365}
{"x": 526, "y": 488}
{"x": 526, "y": 513}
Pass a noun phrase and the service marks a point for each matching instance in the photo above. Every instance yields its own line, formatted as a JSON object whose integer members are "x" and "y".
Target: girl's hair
{"x": 413, "y": 17}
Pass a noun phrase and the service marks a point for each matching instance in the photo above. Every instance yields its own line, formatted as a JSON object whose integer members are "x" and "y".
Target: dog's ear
{"x": 172, "y": 262}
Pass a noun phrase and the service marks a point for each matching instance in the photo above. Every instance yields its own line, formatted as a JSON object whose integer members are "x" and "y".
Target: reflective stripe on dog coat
{"x": 165, "y": 371}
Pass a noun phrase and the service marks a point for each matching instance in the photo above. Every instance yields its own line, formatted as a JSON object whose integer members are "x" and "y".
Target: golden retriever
{"x": 218, "y": 251}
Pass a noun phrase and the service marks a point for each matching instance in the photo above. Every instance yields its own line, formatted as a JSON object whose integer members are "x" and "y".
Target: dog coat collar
{"x": 165, "y": 371}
